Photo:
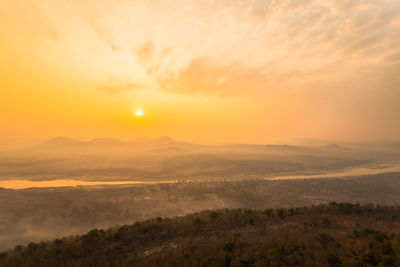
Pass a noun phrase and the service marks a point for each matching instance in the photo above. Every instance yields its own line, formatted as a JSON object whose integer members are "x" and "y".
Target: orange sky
{"x": 219, "y": 70}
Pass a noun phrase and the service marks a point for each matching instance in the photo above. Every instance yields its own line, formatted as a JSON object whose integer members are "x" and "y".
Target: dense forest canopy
{"x": 334, "y": 234}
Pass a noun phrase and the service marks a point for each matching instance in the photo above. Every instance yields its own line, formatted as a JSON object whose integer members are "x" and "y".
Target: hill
{"x": 167, "y": 158}
{"x": 324, "y": 235}
{"x": 35, "y": 214}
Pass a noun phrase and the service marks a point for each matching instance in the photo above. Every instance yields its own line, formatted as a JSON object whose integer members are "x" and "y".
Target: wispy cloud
{"x": 29, "y": 20}
{"x": 115, "y": 87}
{"x": 205, "y": 76}
{"x": 339, "y": 56}
{"x": 145, "y": 52}
{"x": 103, "y": 33}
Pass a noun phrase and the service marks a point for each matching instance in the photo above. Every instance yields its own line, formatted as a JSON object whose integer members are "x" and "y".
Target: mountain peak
{"x": 333, "y": 146}
{"x": 105, "y": 141}
{"x": 165, "y": 138}
{"x": 60, "y": 141}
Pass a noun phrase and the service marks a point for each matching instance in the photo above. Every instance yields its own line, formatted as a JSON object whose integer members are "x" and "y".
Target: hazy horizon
{"x": 272, "y": 126}
{"x": 301, "y": 141}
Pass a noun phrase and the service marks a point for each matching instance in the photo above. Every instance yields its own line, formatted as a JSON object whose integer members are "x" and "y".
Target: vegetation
{"x": 38, "y": 214}
{"x": 325, "y": 235}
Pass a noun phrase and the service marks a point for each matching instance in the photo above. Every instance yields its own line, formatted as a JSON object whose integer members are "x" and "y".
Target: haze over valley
{"x": 88, "y": 184}
{"x": 235, "y": 133}
{"x": 167, "y": 159}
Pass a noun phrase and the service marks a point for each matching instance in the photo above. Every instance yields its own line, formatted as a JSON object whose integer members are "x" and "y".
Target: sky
{"x": 253, "y": 71}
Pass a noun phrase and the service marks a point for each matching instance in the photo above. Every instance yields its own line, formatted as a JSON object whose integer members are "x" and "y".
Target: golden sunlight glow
{"x": 139, "y": 112}
{"x": 252, "y": 71}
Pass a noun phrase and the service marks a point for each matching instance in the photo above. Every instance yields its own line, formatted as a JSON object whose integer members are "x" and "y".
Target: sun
{"x": 138, "y": 112}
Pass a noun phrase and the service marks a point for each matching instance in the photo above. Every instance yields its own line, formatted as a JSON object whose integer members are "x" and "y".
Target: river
{"x": 23, "y": 184}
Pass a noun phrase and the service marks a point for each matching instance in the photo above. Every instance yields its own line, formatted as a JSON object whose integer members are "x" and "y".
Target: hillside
{"x": 324, "y": 235}
{"x": 166, "y": 158}
{"x": 35, "y": 214}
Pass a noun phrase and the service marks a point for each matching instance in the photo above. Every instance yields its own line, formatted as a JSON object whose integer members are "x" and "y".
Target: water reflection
{"x": 23, "y": 184}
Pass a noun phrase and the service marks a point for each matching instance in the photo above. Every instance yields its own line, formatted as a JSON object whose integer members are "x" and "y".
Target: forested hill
{"x": 324, "y": 235}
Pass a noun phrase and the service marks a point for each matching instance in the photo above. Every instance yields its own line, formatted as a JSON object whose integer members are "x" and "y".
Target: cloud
{"x": 204, "y": 76}
{"x": 145, "y": 52}
{"x": 217, "y": 47}
{"x": 28, "y": 20}
{"x": 237, "y": 47}
{"x": 116, "y": 87}
{"x": 333, "y": 56}
{"x": 103, "y": 34}
{"x": 95, "y": 14}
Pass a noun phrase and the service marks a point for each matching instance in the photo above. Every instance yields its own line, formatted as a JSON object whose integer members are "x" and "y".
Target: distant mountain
{"x": 61, "y": 141}
{"x": 169, "y": 149}
{"x": 163, "y": 140}
{"x": 335, "y": 146}
{"x": 312, "y": 142}
{"x": 164, "y": 144}
{"x": 106, "y": 141}
{"x": 110, "y": 146}
{"x": 267, "y": 148}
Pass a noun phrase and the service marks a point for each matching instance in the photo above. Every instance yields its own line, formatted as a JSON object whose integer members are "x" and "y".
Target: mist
{"x": 198, "y": 176}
